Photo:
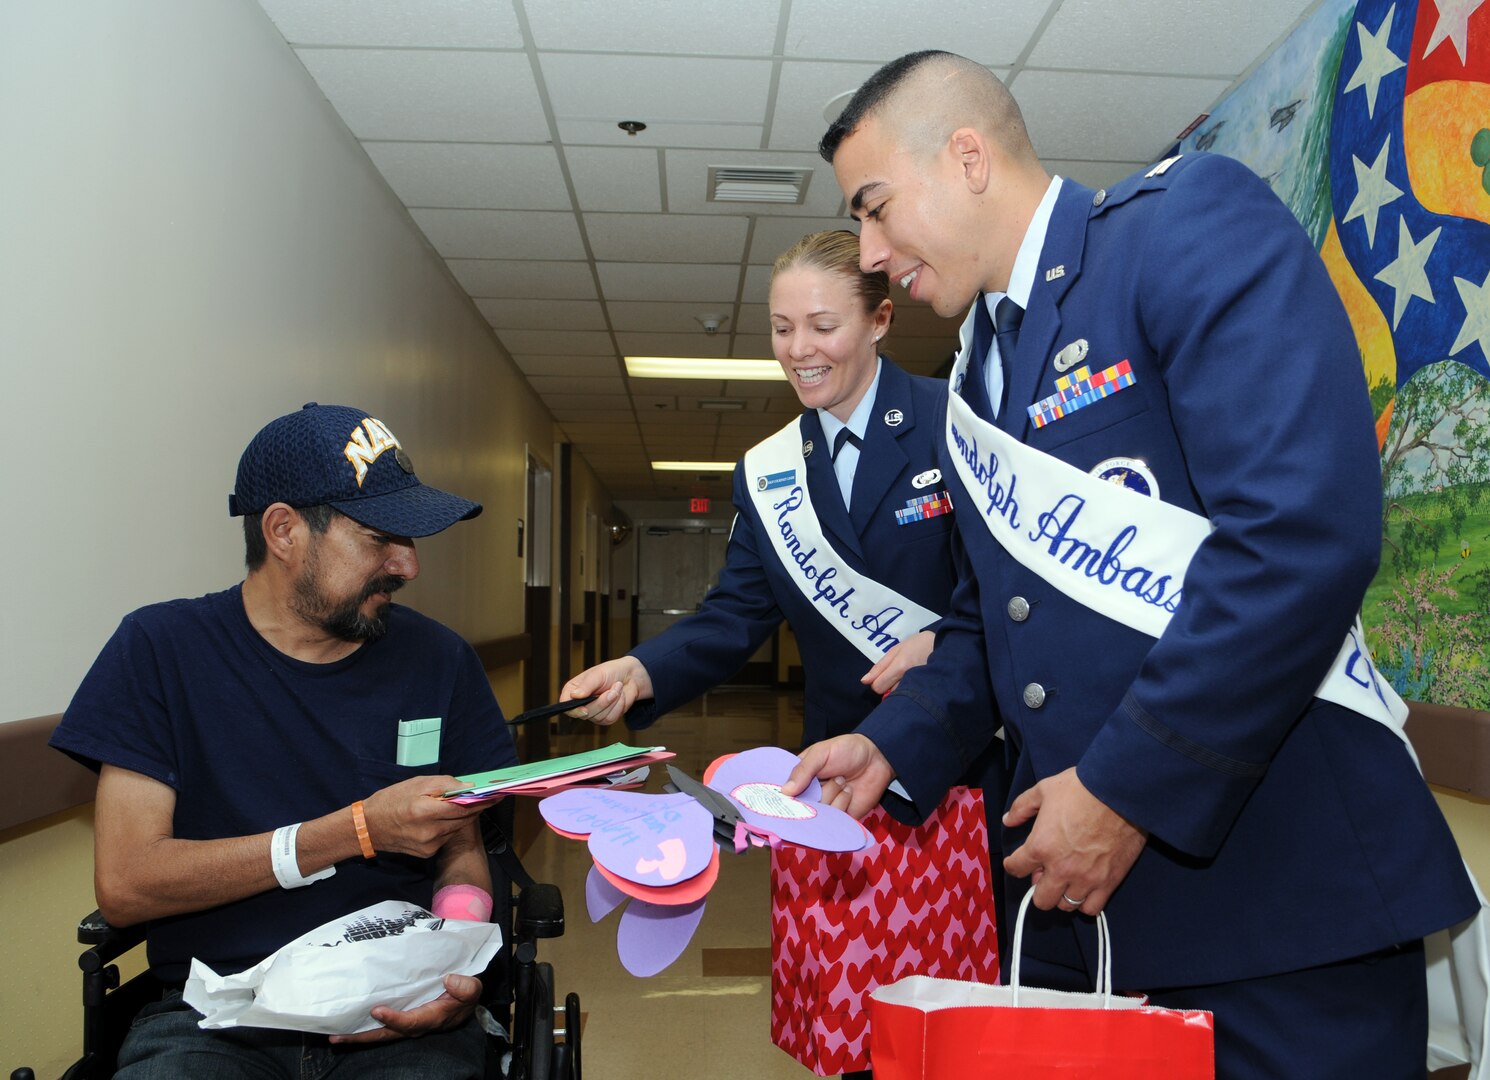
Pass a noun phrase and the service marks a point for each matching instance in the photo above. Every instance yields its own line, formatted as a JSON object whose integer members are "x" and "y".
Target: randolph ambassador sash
{"x": 1120, "y": 553}
{"x": 873, "y": 617}
{"x": 1124, "y": 555}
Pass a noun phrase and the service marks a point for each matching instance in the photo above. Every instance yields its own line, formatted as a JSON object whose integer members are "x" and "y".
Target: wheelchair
{"x": 523, "y": 1040}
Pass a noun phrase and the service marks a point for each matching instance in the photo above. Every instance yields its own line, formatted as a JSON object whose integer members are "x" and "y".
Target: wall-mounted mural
{"x": 1372, "y": 122}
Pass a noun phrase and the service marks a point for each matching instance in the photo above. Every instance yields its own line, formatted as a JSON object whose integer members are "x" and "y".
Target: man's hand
{"x": 853, "y": 772}
{"x": 1078, "y": 851}
{"x": 410, "y": 818}
{"x": 912, "y": 652}
{"x": 620, "y": 683}
{"x": 449, "y": 1010}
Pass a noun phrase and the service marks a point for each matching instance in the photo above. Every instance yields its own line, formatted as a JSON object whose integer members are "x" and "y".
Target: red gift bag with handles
{"x": 938, "y": 1029}
{"x": 917, "y": 901}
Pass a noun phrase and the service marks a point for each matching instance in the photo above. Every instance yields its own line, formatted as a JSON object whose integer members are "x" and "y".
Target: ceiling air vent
{"x": 743, "y": 183}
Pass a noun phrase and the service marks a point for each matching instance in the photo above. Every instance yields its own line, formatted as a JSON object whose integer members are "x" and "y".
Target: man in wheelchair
{"x": 267, "y": 755}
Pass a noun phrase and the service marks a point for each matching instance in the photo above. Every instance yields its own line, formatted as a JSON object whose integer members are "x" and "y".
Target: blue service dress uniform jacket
{"x": 755, "y": 594}
{"x": 1285, "y": 831}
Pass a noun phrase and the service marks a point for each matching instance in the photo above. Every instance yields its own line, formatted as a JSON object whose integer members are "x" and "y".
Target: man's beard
{"x": 343, "y": 620}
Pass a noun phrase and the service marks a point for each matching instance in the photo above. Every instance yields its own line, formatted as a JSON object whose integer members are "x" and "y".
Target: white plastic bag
{"x": 392, "y": 953}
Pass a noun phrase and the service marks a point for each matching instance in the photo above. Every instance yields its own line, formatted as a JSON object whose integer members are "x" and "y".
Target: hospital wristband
{"x": 283, "y": 859}
{"x": 364, "y": 838}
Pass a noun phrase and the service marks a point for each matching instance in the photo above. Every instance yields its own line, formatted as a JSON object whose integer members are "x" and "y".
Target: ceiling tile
{"x": 574, "y": 403}
{"x": 600, "y": 366}
{"x": 430, "y": 24}
{"x": 558, "y": 342}
{"x": 575, "y": 384}
{"x": 688, "y": 182}
{"x": 667, "y": 318}
{"x": 673, "y": 345}
{"x": 1118, "y": 114}
{"x": 615, "y": 178}
{"x": 988, "y": 31}
{"x": 1083, "y": 36}
{"x": 804, "y": 90}
{"x": 672, "y": 238}
{"x": 544, "y": 314}
{"x": 651, "y": 281}
{"x": 752, "y": 347}
{"x": 472, "y": 175}
{"x": 501, "y": 234}
{"x": 774, "y": 235}
{"x": 431, "y": 95}
{"x": 699, "y": 26}
{"x": 659, "y": 133}
{"x": 757, "y": 285}
{"x": 524, "y": 278}
{"x": 647, "y": 403}
{"x": 647, "y": 389}
{"x": 647, "y": 88}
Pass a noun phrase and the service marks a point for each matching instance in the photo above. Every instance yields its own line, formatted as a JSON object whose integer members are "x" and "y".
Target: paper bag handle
{"x": 1104, "y": 953}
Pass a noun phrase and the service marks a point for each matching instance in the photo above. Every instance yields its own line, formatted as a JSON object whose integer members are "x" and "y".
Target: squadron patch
{"x": 1130, "y": 473}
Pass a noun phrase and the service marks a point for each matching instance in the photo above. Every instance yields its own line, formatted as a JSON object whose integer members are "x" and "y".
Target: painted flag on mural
{"x": 1410, "y": 174}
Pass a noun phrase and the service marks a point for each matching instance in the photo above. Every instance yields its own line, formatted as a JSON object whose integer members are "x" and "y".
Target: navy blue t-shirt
{"x": 188, "y": 693}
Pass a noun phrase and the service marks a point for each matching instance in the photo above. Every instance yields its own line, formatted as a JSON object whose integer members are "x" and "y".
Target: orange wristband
{"x": 359, "y": 819}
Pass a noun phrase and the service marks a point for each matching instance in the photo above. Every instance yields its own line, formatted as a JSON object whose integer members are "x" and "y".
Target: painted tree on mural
{"x": 1430, "y": 626}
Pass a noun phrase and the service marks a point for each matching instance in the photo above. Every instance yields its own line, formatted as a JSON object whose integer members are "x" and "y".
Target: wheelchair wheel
{"x": 541, "y": 1034}
{"x": 571, "y": 1035}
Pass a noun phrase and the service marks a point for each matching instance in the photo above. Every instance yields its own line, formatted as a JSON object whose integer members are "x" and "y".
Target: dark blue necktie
{"x": 1007, "y": 316}
{"x": 1006, "y": 319}
{"x": 844, "y": 436}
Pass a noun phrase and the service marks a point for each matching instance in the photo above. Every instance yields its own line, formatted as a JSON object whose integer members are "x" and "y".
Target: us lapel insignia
{"x": 807, "y": 448}
{"x": 1071, "y": 355}
{"x": 1055, "y": 272}
{"x": 894, "y": 417}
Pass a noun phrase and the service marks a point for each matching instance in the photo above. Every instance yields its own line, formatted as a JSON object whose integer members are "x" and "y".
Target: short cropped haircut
{"x": 876, "y": 88}
{"x": 317, "y": 520}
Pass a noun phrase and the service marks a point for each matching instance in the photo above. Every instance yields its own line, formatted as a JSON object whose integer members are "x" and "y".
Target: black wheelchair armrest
{"x": 108, "y": 941}
{"x": 540, "y": 912}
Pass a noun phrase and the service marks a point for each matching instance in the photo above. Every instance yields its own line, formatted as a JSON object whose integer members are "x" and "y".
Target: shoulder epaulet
{"x": 1156, "y": 176}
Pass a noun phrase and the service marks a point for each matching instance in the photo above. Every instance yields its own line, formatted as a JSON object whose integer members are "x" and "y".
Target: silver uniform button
{"x": 1034, "y": 695}
{"x": 1019, "y": 609}
{"x": 1099, "y": 198}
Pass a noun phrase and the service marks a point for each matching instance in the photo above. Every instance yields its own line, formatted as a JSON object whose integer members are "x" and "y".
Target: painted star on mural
{"x": 1408, "y": 272}
{"x": 1423, "y": 179}
{"x": 1377, "y": 60}
{"x": 1453, "y": 25}
{"x": 1373, "y": 192}
{"x": 1476, "y": 325}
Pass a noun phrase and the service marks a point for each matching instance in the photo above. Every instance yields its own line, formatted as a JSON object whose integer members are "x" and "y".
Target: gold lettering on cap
{"x": 367, "y": 444}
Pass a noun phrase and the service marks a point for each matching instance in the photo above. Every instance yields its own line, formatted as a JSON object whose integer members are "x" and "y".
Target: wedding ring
{"x": 1073, "y": 903}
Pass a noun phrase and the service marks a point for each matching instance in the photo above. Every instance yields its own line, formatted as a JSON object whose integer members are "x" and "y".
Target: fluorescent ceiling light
{"x": 694, "y": 466}
{"x": 702, "y": 367}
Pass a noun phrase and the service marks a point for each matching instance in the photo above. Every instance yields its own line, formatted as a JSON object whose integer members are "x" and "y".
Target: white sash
{"x": 1124, "y": 555}
{"x": 871, "y": 616}
{"x": 1116, "y": 551}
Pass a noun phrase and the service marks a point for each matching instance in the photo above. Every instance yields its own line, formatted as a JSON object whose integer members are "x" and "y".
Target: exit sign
{"x": 698, "y": 506}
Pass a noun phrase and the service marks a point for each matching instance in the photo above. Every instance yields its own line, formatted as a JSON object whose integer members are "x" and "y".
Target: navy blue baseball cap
{"x": 342, "y": 457}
